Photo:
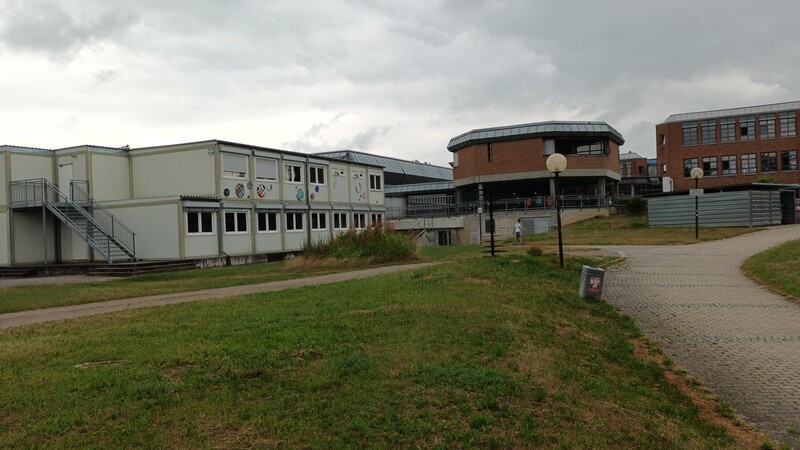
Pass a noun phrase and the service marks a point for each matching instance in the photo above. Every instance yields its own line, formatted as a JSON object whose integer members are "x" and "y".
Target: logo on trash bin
{"x": 594, "y": 283}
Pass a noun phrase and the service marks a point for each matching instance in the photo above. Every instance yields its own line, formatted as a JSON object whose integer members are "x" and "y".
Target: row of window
{"x": 235, "y": 166}
{"x": 236, "y": 222}
{"x": 575, "y": 146}
{"x": 766, "y": 124}
{"x": 747, "y": 164}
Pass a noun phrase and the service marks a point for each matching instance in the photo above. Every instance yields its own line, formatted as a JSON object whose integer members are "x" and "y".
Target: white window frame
{"x": 261, "y": 177}
{"x": 315, "y": 173}
{"x": 788, "y": 123}
{"x": 291, "y": 220}
{"x": 732, "y": 161}
{"x": 319, "y": 221}
{"x": 236, "y": 222}
{"x": 266, "y": 215}
{"x": 375, "y": 179}
{"x": 337, "y": 218}
{"x": 362, "y": 223}
{"x": 376, "y": 217}
{"x": 200, "y": 231}
{"x": 749, "y": 164}
{"x": 292, "y": 170}
{"x": 233, "y": 174}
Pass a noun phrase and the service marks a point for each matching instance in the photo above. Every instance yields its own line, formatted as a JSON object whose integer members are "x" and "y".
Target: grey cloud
{"x": 363, "y": 140}
{"x": 105, "y": 76}
{"x": 48, "y": 28}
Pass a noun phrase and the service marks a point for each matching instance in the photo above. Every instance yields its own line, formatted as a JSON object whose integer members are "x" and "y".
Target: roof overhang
{"x": 536, "y": 130}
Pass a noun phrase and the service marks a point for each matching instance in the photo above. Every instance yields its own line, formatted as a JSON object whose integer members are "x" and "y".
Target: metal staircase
{"x": 88, "y": 219}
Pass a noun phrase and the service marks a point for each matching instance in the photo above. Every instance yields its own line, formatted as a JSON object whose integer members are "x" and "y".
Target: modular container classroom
{"x": 211, "y": 201}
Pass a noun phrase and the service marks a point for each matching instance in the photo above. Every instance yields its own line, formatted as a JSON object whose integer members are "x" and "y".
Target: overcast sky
{"x": 395, "y": 78}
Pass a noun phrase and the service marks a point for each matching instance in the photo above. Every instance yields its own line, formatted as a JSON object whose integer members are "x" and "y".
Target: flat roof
{"x": 418, "y": 188}
{"x": 394, "y": 165}
{"x": 27, "y": 150}
{"x": 713, "y": 114}
{"x": 630, "y": 155}
{"x": 539, "y": 129}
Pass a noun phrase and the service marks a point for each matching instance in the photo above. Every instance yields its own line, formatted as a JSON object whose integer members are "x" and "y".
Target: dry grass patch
{"x": 707, "y": 403}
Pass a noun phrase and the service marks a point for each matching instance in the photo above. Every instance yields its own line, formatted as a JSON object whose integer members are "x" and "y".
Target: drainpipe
{"x": 308, "y": 199}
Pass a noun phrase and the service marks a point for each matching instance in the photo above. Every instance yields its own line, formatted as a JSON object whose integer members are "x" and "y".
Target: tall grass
{"x": 377, "y": 243}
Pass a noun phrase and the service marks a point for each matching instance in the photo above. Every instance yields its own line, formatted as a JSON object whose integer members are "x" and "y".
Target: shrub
{"x": 378, "y": 243}
{"x": 536, "y": 250}
{"x": 636, "y": 206}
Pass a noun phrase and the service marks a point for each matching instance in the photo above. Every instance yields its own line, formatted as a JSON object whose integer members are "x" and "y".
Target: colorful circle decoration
{"x": 316, "y": 188}
{"x": 311, "y": 196}
{"x": 261, "y": 189}
{"x": 226, "y": 192}
{"x": 300, "y": 194}
{"x": 240, "y": 190}
{"x": 269, "y": 187}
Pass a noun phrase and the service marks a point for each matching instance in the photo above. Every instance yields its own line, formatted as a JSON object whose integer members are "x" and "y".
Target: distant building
{"x": 418, "y": 197}
{"x": 509, "y": 161}
{"x": 639, "y": 175}
{"x": 733, "y": 146}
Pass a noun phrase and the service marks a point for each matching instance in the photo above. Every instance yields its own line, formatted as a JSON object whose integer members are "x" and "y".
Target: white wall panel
{"x": 189, "y": 172}
{"x": 110, "y": 178}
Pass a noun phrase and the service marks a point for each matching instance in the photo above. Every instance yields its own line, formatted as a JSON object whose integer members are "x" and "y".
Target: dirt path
{"x": 22, "y": 318}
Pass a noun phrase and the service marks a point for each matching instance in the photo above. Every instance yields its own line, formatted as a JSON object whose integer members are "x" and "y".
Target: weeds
{"x": 377, "y": 243}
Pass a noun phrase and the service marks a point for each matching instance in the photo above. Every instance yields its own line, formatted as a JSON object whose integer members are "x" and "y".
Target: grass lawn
{"x": 479, "y": 352}
{"x": 45, "y": 296}
{"x": 778, "y": 268}
{"x": 631, "y": 230}
{"x": 612, "y": 230}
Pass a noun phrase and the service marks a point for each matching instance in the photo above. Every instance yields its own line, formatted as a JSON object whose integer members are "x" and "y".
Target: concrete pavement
{"x": 741, "y": 340}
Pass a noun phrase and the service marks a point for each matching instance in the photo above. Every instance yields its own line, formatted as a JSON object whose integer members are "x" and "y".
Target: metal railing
{"x": 40, "y": 192}
{"x": 112, "y": 226}
{"x": 524, "y": 204}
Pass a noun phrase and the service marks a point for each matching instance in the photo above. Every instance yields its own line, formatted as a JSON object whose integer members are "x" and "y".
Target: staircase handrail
{"x": 53, "y": 196}
{"x": 103, "y": 217}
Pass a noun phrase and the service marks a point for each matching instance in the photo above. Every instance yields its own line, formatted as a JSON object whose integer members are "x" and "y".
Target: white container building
{"x": 212, "y": 201}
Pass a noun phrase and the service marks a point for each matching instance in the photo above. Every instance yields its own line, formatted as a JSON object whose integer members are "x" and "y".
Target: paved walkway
{"x": 742, "y": 341}
{"x": 62, "y": 279}
{"x": 18, "y": 319}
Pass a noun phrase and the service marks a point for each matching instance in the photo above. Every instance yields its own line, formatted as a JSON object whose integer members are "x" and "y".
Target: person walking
{"x": 518, "y": 232}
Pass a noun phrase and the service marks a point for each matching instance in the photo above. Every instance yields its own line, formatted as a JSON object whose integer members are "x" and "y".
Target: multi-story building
{"x": 639, "y": 175}
{"x": 732, "y": 146}
{"x": 200, "y": 201}
{"x": 510, "y": 161}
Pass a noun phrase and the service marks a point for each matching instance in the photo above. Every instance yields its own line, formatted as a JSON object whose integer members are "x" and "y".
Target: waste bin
{"x": 591, "y": 283}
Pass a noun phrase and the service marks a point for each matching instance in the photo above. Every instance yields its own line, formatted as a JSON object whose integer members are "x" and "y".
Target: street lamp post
{"x": 557, "y": 163}
{"x": 697, "y": 173}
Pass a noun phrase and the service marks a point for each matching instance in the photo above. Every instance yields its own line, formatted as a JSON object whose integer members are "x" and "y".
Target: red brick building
{"x": 510, "y": 161}
{"x": 732, "y": 146}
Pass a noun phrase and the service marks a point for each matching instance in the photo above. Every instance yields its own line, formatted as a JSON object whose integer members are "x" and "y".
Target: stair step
{"x": 127, "y": 269}
{"x": 14, "y": 272}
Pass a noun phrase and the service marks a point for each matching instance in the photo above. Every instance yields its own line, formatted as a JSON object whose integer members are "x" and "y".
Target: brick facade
{"x": 526, "y": 155}
{"x": 511, "y": 161}
{"x": 775, "y": 146}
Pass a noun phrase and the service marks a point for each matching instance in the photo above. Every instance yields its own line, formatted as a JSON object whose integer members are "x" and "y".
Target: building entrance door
{"x": 64, "y": 177}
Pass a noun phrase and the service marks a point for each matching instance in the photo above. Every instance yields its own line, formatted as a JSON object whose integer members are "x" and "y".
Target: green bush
{"x": 636, "y": 206}
{"x": 377, "y": 243}
{"x": 535, "y": 251}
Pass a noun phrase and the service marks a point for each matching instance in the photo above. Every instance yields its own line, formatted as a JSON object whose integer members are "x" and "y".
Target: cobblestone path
{"x": 742, "y": 341}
